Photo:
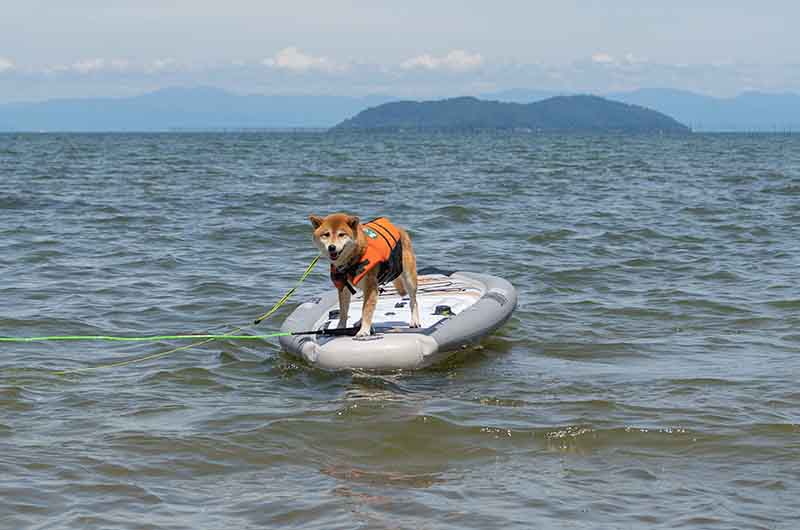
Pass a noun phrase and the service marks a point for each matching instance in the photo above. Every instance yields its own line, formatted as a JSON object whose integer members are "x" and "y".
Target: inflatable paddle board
{"x": 457, "y": 309}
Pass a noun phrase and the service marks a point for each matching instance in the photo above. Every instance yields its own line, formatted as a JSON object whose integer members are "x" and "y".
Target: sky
{"x": 81, "y": 48}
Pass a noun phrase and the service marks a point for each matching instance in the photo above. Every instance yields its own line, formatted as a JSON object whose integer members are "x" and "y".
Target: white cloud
{"x": 421, "y": 61}
{"x": 603, "y": 58}
{"x": 119, "y": 65}
{"x": 635, "y": 59}
{"x": 91, "y": 66}
{"x": 611, "y": 60}
{"x": 161, "y": 64}
{"x": 423, "y": 76}
{"x": 108, "y": 66}
{"x": 88, "y": 66}
{"x": 294, "y": 60}
{"x": 455, "y": 61}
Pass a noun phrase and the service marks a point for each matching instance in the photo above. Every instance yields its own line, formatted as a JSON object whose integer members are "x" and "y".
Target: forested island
{"x": 556, "y": 114}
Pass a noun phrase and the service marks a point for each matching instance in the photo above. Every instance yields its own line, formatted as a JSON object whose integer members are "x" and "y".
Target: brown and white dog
{"x": 366, "y": 256}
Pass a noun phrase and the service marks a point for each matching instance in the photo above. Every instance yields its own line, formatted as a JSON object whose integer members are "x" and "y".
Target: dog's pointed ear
{"x": 316, "y": 221}
{"x": 352, "y": 221}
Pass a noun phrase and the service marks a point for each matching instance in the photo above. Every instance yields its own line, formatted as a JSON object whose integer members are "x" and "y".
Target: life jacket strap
{"x": 341, "y": 278}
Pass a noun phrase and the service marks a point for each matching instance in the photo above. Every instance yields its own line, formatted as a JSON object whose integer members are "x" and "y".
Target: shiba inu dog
{"x": 365, "y": 256}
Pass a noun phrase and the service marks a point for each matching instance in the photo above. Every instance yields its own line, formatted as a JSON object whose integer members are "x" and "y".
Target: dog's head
{"x": 336, "y": 236}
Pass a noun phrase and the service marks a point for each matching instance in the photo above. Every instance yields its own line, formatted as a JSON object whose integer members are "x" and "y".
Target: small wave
{"x": 358, "y": 179}
{"x": 460, "y": 214}
{"x": 739, "y": 179}
{"x": 235, "y": 211}
{"x": 592, "y": 351}
{"x": 500, "y": 169}
{"x": 637, "y": 473}
{"x": 502, "y": 402}
{"x": 773, "y": 429}
{"x": 704, "y": 211}
{"x": 42, "y": 256}
{"x": 193, "y": 377}
{"x": 767, "y": 484}
{"x": 211, "y": 288}
{"x": 754, "y": 323}
{"x": 732, "y": 228}
{"x": 369, "y": 382}
{"x": 580, "y": 275}
{"x": 637, "y": 235}
{"x": 296, "y": 229}
{"x": 314, "y": 174}
{"x": 15, "y": 202}
{"x": 643, "y": 263}
{"x": 640, "y": 312}
{"x": 145, "y": 411}
{"x": 791, "y": 338}
{"x": 13, "y": 399}
{"x": 701, "y": 381}
{"x": 790, "y": 190}
{"x": 712, "y": 306}
{"x": 788, "y": 305}
{"x": 586, "y": 438}
{"x": 124, "y": 491}
{"x": 379, "y": 478}
{"x": 721, "y": 275}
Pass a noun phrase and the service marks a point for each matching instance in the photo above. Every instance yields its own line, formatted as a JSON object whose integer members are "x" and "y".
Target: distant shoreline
{"x": 201, "y": 109}
{"x": 268, "y": 130}
{"x": 330, "y": 131}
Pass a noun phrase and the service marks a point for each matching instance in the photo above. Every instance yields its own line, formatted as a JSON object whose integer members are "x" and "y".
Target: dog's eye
{"x": 342, "y": 234}
{"x": 326, "y": 234}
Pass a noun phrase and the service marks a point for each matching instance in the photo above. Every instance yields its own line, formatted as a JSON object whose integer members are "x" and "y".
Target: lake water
{"x": 648, "y": 379}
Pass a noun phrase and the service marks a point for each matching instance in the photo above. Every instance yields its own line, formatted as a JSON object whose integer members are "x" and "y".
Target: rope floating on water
{"x": 141, "y": 339}
{"x": 129, "y": 361}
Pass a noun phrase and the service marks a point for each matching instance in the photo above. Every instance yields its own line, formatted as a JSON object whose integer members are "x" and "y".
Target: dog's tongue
{"x": 333, "y": 255}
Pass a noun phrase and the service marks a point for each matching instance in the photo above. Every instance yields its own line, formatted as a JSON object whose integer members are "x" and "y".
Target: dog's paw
{"x": 415, "y": 324}
{"x": 363, "y": 332}
{"x": 342, "y": 324}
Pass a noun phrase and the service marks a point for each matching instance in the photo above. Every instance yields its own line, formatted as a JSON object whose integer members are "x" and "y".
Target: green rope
{"x": 141, "y": 339}
{"x": 206, "y": 337}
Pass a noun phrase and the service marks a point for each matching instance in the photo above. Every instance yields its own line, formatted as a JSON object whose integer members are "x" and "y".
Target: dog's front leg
{"x": 344, "y": 306}
{"x": 370, "y": 301}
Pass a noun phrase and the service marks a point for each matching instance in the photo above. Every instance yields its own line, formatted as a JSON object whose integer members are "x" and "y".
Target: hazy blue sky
{"x": 52, "y": 48}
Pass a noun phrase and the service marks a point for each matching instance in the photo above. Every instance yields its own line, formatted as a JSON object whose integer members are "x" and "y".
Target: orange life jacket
{"x": 384, "y": 250}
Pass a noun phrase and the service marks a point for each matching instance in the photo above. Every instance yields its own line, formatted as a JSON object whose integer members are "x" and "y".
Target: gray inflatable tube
{"x": 457, "y": 309}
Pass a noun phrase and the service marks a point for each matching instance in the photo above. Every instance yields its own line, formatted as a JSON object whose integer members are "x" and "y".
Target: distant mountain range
{"x": 208, "y": 108}
{"x": 556, "y": 114}
{"x": 750, "y": 111}
{"x": 183, "y": 108}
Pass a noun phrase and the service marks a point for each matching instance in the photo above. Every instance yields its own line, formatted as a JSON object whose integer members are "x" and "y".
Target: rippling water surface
{"x": 649, "y": 378}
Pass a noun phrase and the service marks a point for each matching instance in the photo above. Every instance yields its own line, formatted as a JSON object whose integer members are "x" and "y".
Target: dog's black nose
{"x": 331, "y": 248}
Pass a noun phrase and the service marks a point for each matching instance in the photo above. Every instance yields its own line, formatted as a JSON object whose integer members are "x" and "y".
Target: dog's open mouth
{"x": 334, "y": 254}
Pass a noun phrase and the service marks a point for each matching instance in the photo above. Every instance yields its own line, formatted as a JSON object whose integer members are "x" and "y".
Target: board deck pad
{"x": 438, "y": 296}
